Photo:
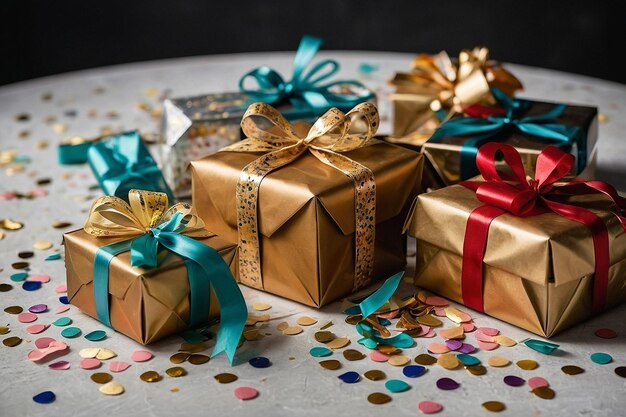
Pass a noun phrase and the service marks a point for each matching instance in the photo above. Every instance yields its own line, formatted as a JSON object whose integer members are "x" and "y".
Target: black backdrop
{"x": 47, "y": 37}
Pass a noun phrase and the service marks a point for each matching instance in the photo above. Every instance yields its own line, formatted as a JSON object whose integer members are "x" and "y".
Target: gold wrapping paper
{"x": 538, "y": 270}
{"x": 446, "y": 154}
{"x": 145, "y": 304}
{"x": 306, "y": 217}
{"x": 438, "y": 87}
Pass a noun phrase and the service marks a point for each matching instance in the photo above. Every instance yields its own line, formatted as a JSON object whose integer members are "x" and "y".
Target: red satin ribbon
{"x": 513, "y": 193}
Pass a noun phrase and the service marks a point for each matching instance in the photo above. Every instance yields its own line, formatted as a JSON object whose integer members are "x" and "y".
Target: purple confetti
{"x": 467, "y": 348}
{"x": 38, "y": 308}
{"x": 60, "y": 365}
{"x": 447, "y": 384}
{"x": 514, "y": 381}
{"x": 454, "y": 344}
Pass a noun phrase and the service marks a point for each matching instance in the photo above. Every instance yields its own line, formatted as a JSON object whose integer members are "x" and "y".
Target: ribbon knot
{"x": 150, "y": 225}
{"x": 332, "y": 135}
{"x": 512, "y": 192}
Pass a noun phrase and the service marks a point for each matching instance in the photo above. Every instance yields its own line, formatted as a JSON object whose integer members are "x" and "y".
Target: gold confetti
{"x": 150, "y": 376}
{"x": 88, "y": 352}
{"x": 104, "y": 354}
{"x": 42, "y": 244}
{"x": 252, "y": 335}
{"x": 22, "y": 117}
{"x": 261, "y": 306}
{"x": 59, "y": 128}
{"x": 12, "y": 341}
{"x": 23, "y": 134}
{"x": 375, "y": 375}
{"x": 330, "y": 364}
{"x": 225, "y": 378}
{"x": 354, "y": 319}
{"x": 457, "y": 315}
{"x": 179, "y": 357}
{"x": 494, "y": 406}
{"x": 353, "y": 355}
{"x": 476, "y": 370}
{"x": 176, "y": 371}
{"x": 4, "y": 329}
{"x": 292, "y": 358}
{"x": 504, "y": 341}
{"x": 197, "y": 359}
{"x": 429, "y": 320}
{"x": 306, "y": 321}
{"x": 452, "y": 333}
{"x": 5, "y": 287}
{"x": 324, "y": 336}
{"x": 8, "y": 224}
{"x": 61, "y": 224}
{"x": 174, "y": 389}
{"x": 425, "y": 359}
{"x": 544, "y": 392}
{"x": 338, "y": 343}
{"x": 13, "y": 310}
{"x": 448, "y": 361}
{"x": 254, "y": 319}
{"x": 42, "y": 144}
{"x": 572, "y": 370}
{"x": 527, "y": 364}
{"x": 326, "y": 326}
{"x": 292, "y": 330}
{"x": 378, "y": 398}
{"x": 282, "y": 325}
{"x": 101, "y": 377}
{"x": 20, "y": 265}
{"x": 398, "y": 360}
{"x": 388, "y": 349}
{"x": 498, "y": 361}
{"x": 112, "y": 388}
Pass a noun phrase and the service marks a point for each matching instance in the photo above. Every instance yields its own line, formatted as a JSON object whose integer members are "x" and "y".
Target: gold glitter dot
{"x": 225, "y": 378}
{"x": 150, "y": 376}
{"x": 176, "y": 371}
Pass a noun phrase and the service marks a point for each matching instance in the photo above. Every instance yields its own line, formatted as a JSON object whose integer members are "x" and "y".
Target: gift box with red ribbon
{"x": 540, "y": 253}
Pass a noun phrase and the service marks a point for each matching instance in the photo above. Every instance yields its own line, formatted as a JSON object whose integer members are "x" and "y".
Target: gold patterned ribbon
{"x": 441, "y": 87}
{"x": 332, "y": 135}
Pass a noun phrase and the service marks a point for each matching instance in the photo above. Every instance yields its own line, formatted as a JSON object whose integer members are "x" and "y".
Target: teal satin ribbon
{"x": 483, "y": 130}
{"x": 371, "y": 337}
{"x": 205, "y": 269}
{"x": 122, "y": 163}
{"x": 305, "y": 91}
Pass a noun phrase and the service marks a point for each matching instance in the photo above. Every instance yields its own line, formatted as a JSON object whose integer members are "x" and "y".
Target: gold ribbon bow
{"x": 111, "y": 216}
{"x": 440, "y": 87}
{"x": 332, "y": 135}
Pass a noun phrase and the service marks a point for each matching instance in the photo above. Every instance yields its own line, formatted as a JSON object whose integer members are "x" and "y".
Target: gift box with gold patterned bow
{"x": 318, "y": 212}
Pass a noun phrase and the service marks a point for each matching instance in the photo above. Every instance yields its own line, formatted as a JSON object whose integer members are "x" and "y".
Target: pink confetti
{"x": 438, "y": 348}
{"x": 39, "y": 278}
{"x": 60, "y": 365}
{"x": 246, "y": 393}
{"x": 481, "y": 337}
{"x": 433, "y": 300}
{"x": 26, "y": 317}
{"x": 390, "y": 315}
{"x": 60, "y": 288}
{"x": 39, "y": 192}
{"x": 141, "y": 356}
{"x": 431, "y": 333}
{"x": 489, "y": 331}
{"x": 423, "y": 331}
{"x": 468, "y": 327}
{"x": 43, "y": 342}
{"x": 487, "y": 345}
{"x": 429, "y": 407}
{"x": 440, "y": 311}
{"x": 54, "y": 347}
{"x": 378, "y": 356}
{"x": 118, "y": 366}
{"x": 536, "y": 382}
{"x": 61, "y": 309}
{"x": 90, "y": 363}
{"x": 37, "y": 328}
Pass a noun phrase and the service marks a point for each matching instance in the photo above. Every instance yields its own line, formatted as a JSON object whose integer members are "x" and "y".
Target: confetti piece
{"x": 447, "y": 384}
{"x": 457, "y": 315}
{"x": 62, "y": 321}
{"x": 482, "y": 337}
{"x": 4, "y": 330}
{"x": 489, "y": 331}
{"x": 38, "y": 278}
{"x": 44, "y": 397}
{"x": 12, "y": 341}
{"x": 42, "y": 244}
{"x": 494, "y": 406}
{"x": 388, "y": 349}
{"x": 197, "y": 359}
{"x": 601, "y": 358}
{"x": 429, "y": 320}
{"x": 61, "y": 309}
{"x": 61, "y": 288}
{"x": 59, "y": 366}
{"x": 621, "y": 371}
{"x": 541, "y": 346}
{"x": 453, "y": 344}
{"x": 353, "y": 355}
{"x": 330, "y": 364}
{"x": 467, "y": 348}
{"x": 13, "y": 310}
{"x": 378, "y": 398}
{"x": 350, "y": 377}
{"x": 498, "y": 361}
{"x": 476, "y": 370}
{"x": 413, "y": 371}
{"x": 112, "y": 388}
{"x": 6, "y": 287}
{"x": 425, "y": 359}
{"x": 292, "y": 330}
{"x": 141, "y": 356}
{"x": 327, "y": 325}
{"x": 19, "y": 277}
{"x": 433, "y": 300}
{"x": 64, "y": 300}
{"x": 375, "y": 375}
{"x": 514, "y": 381}
{"x": 536, "y": 382}
{"x": 448, "y": 361}
{"x": 283, "y": 325}
{"x": 504, "y": 341}
{"x": 306, "y": 321}
{"x": 261, "y": 306}
{"x": 89, "y": 363}
{"x": 53, "y": 257}
{"x": 544, "y": 392}
{"x": 179, "y": 357}
{"x": 398, "y": 360}
{"x": 71, "y": 332}
{"x": 452, "y": 333}
{"x": 225, "y": 378}
{"x": 397, "y": 385}
{"x": 193, "y": 347}
{"x": 429, "y": 407}
{"x": 377, "y": 356}
{"x": 245, "y": 393}
{"x": 527, "y": 364}
{"x": 96, "y": 335}
{"x": 175, "y": 372}
{"x": 468, "y": 360}
{"x": 26, "y": 317}
{"x": 43, "y": 342}
{"x": 259, "y": 362}
{"x": 31, "y": 285}
{"x": 36, "y": 328}
{"x": 252, "y": 335}
{"x": 487, "y": 345}
{"x": 88, "y": 352}
{"x": 118, "y": 366}
{"x": 38, "y": 308}
{"x": 438, "y": 348}
{"x": 150, "y": 376}
{"x": 572, "y": 370}
{"x": 318, "y": 352}
{"x": 104, "y": 354}
{"x": 606, "y": 333}
{"x": 338, "y": 343}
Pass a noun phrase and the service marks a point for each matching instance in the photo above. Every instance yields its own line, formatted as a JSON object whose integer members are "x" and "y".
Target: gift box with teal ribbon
{"x": 197, "y": 126}
{"x": 527, "y": 125}
{"x": 148, "y": 271}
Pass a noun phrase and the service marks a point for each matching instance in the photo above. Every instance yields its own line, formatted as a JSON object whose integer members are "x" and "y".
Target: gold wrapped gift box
{"x": 538, "y": 270}
{"x": 145, "y": 304}
{"x": 307, "y": 217}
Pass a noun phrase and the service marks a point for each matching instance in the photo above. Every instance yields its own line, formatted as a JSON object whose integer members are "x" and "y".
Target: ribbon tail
{"x": 199, "y": 294}
{"x": 381, "y": 295}
{"x": 103, "y": 258}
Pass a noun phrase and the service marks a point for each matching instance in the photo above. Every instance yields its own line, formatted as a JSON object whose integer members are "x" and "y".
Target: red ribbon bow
{"x": 514, "y": 193}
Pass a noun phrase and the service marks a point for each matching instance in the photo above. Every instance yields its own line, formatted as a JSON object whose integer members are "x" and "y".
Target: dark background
{"x": 47, "y": 37}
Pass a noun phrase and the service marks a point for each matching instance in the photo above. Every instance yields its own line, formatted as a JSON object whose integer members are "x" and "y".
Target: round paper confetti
{"x": 292, "y": 330}
{"x": 62, "y": 321}
{"x": 448, "y": 361}
{"x": 36, "y": 328}
{"x": 324, "y": 336}
{"x": 179, "y": 357}
{"x": 498, "y": 361}
{"x": 572, "y": 369}
{"x": 19, "y": 277}
{"x": 90, "y": 363}
{"x": 378, "y": 398}
{"x": 377, "y": 356}
{"x": 438, "y": 348}
{"x": 375, "y": 375}
{"x": 59, "y": 366}
{"x": 42, "y": 244}
{"x": 476, "y": 370}
{"x": 61, "y": 288}
{"x": 544, "y": 392}
{"x": 197, "y": 359}
{"x": 64, "y": 300}
{"x": 31, "y": 285}
{"x": 44, "y": 397}
{"x": 396, "y": 385}
{"x": 350, "y": 377}
{"x": 601, "y": 358}
{"x": 112, "y": 388}
{"x": 425, "y": 359}
{"x": 447, "y": 384}
{"x": 454, "y": 344}
{"x": 353, "y": 355}
{"x": 26, "y": 317}
{"x": 7, "y": 287}
{"x": 527, "y": 364}
{"x": 39, "y": 278}
{"x": 494, "y": 406}
{"x": 141, "y": 356}
{"x": 38, "y": 308}
{"x": 246, "y": 393}
{"x": 536, "y": 382}
{"x": 467, "y": 348}
{"x": 429, "y": 407}
{"x": 621, "y": 371}
{"x": 61, "y": 309}
{"x": 150, "y": 376}
{"x": 413, "y": 371}
{"x": 487, "y": 345}
{"x": 468, "y": 360}
{"x": 71, "y": 332}
{"x": 259, "y": 306}
{"x": 318, "y": 352}
{"x": 104, "y": 354}
{"x": 259, "y": 362}
{"x": 101, "y": 377}
{"x": 338, "y": 343}
{"x": 96, "y": 335}
{"x": 118, "y": 366}
{"x": 225, "y": 378}
{"x": 605, "y": 333}
{"x": 306, "y": 321}
{"x": 43, "y": 342}
{"x": 388, "y": 349}
{"x": 514, "y": 381}
{"x": 12, "y": 341}
{"x": 398, "y": 360}
{"x": 176, "y": 371}
{"x": 4, "y": 330}
{"x": 330, "y": 364}
{"x": 488, "y": 331}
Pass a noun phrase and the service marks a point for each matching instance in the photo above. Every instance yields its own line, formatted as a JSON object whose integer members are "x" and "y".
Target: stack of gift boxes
{"x": 312, "y": 207}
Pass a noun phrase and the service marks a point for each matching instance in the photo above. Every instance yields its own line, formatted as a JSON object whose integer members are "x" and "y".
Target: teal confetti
{"x": 19, "y": 277}
{"x": 367, "y": 68}
{"x": 96, "y": 335}
{"x": 468, "y": 360}
{"x": 368, "y": 343}
{"x": 53, "y": 257}
{"x": 71, "y": 332}
{"x": 396, "y": 385}
{"x": 62, "y": 321}
{"x": 541, "y": 346}
{"x": 352, "y": 310}
{"x": 319, "y": 352}
{"x": 601, "y": 358}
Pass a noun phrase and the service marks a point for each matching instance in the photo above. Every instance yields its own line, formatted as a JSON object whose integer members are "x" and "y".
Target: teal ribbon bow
{"x": 205, "y": 269}
{"x": 305, "y": 91}
{"x": 122, "y": 163}
{"x": 482, "y": 130}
